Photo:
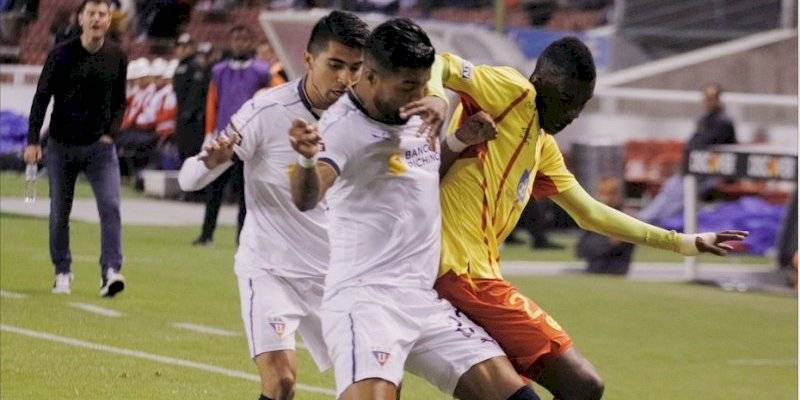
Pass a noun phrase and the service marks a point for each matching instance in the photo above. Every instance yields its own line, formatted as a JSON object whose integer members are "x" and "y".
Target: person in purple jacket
{"x": 233, "y": 81}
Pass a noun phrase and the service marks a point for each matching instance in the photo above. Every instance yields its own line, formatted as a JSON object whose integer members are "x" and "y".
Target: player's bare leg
{"x": 370, "y": 389}
{"x": 570, "y": 376}
{"x": 278, "y": 372}
{"x": 493, "y": 379}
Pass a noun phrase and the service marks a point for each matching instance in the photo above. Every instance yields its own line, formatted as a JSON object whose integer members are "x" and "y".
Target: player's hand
{"x": 106, "y": 139}
{"x": 718, "y": 246}
{"x": 478, "y": 128}
{"x": 432, "y": 110}
{"x": 218, "y": 151}
{"x": 304, "y": 138}
{"x": 32, "y": 154}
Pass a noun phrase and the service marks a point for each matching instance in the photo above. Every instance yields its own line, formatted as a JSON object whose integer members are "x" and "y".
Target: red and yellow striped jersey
{"x": 484, "y": 192}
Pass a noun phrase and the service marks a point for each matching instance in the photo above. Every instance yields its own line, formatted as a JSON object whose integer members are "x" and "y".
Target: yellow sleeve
{"x": 489, "y": 88}
{"x": 435, "y": 87}
{"x": 595, "y": 216}
{"x": 552, "y": 176}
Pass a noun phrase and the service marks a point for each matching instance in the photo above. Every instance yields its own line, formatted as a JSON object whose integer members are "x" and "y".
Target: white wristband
{"x": 456, "y": 145}
{"x": 305, "y": 162}
{"x": 688, "y": 246}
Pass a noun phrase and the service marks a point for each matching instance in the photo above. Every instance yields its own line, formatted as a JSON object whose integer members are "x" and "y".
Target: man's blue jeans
{"x": 100, "y": 164}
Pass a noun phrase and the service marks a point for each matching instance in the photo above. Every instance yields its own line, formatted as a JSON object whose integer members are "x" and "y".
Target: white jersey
{"x": 276, "y": 236}
{"x": 385, "y": 222}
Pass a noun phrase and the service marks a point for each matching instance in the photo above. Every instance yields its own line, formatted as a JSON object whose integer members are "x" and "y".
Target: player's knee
{"x": 281, "y": 386}
{"x": 285, "y": 386}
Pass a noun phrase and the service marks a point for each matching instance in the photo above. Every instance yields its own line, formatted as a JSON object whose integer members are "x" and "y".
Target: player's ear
{"x": 370, "y": 75}
{"x": 308, "y": 60}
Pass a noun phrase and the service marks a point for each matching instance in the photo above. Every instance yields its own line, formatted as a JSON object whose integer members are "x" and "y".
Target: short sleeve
{"x": 338, "y": 146}
{"x": 552, "y": 177}
{"x": 247, "y": 123}
{"x": 488, "y": 88}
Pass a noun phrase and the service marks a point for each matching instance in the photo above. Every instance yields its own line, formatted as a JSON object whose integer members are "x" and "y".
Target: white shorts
{"x": 274, "y": 307}
{"x": 377, "y": 331}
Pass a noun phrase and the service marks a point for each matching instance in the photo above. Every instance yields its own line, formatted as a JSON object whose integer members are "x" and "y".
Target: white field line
{"x": 151, "y": 357}
{"x": 204, "y": 329}
{"x": 220, "y": 332}
{"x": 106, "y": 312}
{"x": 12, "y": 295}
{"x": 764, "y": 362}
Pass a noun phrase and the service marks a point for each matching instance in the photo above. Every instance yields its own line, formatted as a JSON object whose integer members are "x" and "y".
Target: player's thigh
{"x": 570, "y": 376}
{"x": 494, "y": 378}
{"x": 310, "y": 329}
{"x": 366, "y": 338}
{"x": 524, "y": 330}
{"x": 271, "y": 313}
{"x": 450, "y": 344}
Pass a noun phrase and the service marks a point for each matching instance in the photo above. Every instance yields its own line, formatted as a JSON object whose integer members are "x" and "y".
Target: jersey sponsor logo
{"x": 522, "y": 187}
{"x": 396, "y": 165}
{"x": 421, "y": 156}
{"x": 279, "y": 328}
{"x": 381, "y": 356}
{"x": 466, "y": 70}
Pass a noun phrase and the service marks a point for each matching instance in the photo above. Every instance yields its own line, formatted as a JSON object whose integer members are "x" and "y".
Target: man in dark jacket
{"x": 86, "y": 77}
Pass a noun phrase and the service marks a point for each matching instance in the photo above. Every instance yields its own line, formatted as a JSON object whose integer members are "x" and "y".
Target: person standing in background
{"x": 191, "y": 86}
{"x": 86, "y": 77}
{"x": 713, "y": 128}
{"x": 233, "y": 82}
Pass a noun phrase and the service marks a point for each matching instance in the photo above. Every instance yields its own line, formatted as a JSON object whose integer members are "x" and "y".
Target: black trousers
{"x": 215, "y": 191}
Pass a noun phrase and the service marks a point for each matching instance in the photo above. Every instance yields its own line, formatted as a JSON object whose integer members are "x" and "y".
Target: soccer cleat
{"x": 62, "y": 284}
{"x": 112, "y": 283}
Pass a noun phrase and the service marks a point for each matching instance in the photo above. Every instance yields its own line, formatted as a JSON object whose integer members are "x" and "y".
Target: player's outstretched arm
{"x": 595, "y": 216}
{"x": 200, "y": 170}
{"x": 478, "y": 128}
{"x": 310, "y": 179}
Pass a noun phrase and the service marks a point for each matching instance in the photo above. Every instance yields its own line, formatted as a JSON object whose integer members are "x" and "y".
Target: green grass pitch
{"x": 649, "y": 340}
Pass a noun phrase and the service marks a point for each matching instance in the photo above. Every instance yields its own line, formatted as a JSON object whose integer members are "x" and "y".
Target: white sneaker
{"x": 112, "y": 283}
{"x": 62, "y": 284}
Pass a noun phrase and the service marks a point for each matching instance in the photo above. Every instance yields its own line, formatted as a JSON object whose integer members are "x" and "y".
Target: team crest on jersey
{"x": 466, "y": 70}
{"x": 279, "y": 327}
{"x": 381, "y": 356}
{"x": 522, "y": 187}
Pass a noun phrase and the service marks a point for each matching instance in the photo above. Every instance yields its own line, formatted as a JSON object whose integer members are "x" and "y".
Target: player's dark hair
{"x": 399, "y": 43}
{"x": 85, "y": 2}
{"x": 569, "y": 58}
{"x": 338, "y": 26}
{"x": 240, "y": 28}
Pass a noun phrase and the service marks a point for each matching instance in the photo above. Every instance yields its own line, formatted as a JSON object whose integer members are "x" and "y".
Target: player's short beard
{"x": 388, "y": 114}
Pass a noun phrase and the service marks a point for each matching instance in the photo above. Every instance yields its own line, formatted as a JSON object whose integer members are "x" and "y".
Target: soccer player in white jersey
{"x": 283, "y": 254}
{"x": 380, "y": 179}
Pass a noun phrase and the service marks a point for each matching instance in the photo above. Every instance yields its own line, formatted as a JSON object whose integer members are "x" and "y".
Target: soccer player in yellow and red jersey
{"x": 486, "y": 189}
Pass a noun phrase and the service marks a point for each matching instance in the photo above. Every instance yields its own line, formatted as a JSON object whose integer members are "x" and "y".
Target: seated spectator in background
{"x": 145, "y": 88}
{"x": 164, "y": 105}
{"x": 138, "y": 140}
{"x": 713, "y": 128}
{"x": 605, "y": 255}
{"x": 137, "y": 81}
